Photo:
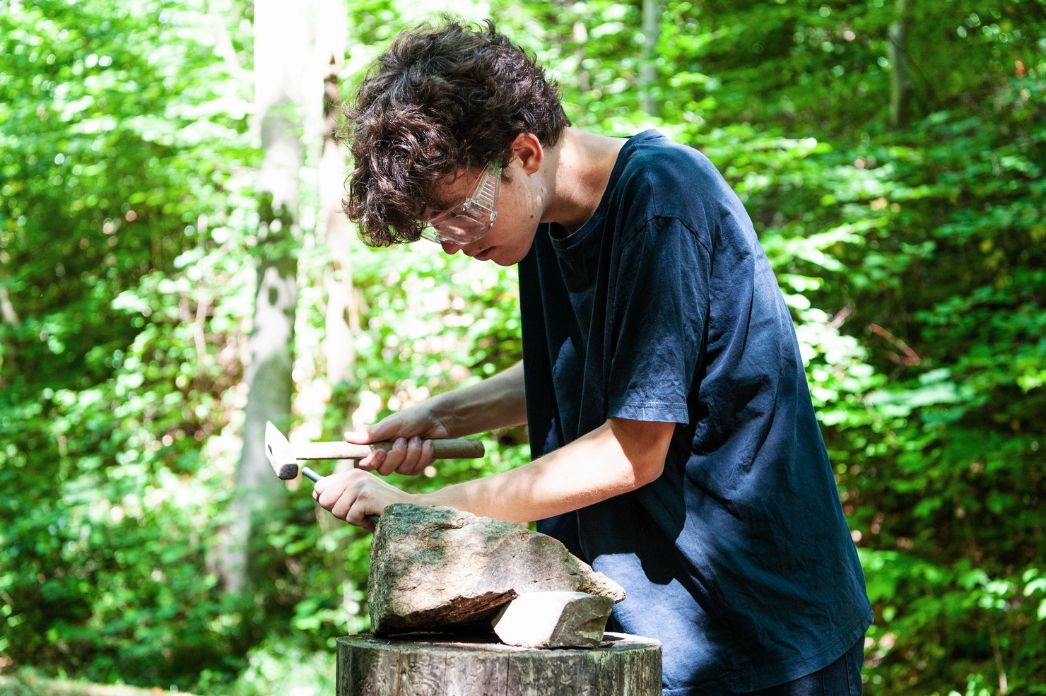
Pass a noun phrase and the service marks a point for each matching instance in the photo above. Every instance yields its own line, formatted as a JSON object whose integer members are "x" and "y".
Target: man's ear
{"x": 528, "y": 149}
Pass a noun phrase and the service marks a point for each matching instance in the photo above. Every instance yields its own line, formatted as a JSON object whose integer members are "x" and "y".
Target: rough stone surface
{"x": 553, "y": 620}
{"x": 436, "y": 568}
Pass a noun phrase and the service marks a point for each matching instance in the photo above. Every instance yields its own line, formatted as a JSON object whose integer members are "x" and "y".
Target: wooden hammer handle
{"x": 443, "y": 449}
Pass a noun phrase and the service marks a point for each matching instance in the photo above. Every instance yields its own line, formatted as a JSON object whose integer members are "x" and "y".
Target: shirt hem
{"x": 789, "y": 671}
{"x": 651, "y": 411}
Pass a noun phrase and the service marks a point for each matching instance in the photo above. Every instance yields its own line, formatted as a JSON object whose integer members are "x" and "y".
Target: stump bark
{"x": 441, "y": 665}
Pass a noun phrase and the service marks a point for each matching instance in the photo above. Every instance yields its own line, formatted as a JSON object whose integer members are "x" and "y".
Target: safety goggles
{"x": 471, "y": 219}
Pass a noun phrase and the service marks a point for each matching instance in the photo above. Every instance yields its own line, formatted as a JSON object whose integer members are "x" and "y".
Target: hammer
{"x": 285, "y": 458}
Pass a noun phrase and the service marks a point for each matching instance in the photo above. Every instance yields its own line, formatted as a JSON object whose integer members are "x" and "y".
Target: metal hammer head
{"x": 278, "y": 452}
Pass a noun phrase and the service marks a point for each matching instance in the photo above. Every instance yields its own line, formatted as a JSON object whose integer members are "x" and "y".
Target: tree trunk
{"x": 8, "y": 316}
{"x": 648, "y": 66}
{"x": 900, "y": 76}
{"x": 342, "y": 316}
{"x": 342, "y": 321}
{"x": 580, "y": 36}
{"x": 436, "y": 665}
{"x": 280, "y": 45}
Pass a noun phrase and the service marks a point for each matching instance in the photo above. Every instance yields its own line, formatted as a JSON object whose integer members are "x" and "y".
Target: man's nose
{"x": 451, "y": 247}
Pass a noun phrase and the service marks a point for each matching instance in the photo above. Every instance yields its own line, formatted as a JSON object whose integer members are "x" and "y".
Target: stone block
{"x": 437, "y": 568}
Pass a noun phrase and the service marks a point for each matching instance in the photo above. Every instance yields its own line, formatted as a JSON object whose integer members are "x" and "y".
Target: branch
{"x": 223, "y": 42}
{"x": 908, "y": 356}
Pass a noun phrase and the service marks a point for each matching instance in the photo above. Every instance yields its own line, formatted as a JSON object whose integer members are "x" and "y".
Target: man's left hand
{"x": 355, "y": 495}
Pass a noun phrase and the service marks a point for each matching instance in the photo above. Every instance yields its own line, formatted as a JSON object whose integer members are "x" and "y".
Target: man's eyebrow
{"x": 430, "y": 209}
{"x": 440, "y": 204}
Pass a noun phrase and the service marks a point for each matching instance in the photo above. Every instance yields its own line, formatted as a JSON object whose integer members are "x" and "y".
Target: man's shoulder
{"x": 665, "y": 179}
{"x": 656, "y": 159}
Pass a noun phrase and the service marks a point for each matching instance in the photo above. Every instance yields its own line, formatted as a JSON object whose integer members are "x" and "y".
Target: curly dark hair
{"x": 440, "y": 98}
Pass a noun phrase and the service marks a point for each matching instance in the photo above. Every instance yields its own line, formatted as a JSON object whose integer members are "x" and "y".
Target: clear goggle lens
{"x": 473, "y": 218}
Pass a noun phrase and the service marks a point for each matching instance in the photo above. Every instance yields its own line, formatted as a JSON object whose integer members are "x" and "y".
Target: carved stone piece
{"x": 553, "y": 620}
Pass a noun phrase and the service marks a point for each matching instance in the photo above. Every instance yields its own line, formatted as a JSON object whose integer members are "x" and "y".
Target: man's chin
{"x": 510, "y": 257}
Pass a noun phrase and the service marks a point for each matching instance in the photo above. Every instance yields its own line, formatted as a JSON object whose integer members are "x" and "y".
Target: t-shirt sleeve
{"x": 657, "y": 306}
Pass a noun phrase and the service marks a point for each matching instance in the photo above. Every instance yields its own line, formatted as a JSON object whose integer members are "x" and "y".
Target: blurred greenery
{"x": 912, "y": 256}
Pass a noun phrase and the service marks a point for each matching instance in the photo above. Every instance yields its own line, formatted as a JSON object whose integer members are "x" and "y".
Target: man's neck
{"x": 581, "y": 164}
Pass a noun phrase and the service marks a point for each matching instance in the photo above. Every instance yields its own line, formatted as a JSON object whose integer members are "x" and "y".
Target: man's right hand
{"x": 411, "y": 430}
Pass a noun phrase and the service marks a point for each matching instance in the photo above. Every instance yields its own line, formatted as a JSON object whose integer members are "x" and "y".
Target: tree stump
{"x": 441, "y": 665}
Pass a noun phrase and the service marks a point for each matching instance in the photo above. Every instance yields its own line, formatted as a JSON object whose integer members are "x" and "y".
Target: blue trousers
{"x": 841, "y": 678}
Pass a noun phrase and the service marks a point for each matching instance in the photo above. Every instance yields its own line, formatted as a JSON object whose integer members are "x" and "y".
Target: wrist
{"x": 425, "y": 499}
{"x": 441, "y": 412}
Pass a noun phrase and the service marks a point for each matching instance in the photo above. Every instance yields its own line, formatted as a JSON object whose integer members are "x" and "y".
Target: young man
{"x": 674, "y": 442}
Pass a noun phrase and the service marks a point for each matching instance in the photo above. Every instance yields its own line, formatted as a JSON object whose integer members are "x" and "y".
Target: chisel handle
{"x": 442, "y": 449}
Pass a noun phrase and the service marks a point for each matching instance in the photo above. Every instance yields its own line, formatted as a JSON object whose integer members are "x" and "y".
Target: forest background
{"x": 174, "y": 270}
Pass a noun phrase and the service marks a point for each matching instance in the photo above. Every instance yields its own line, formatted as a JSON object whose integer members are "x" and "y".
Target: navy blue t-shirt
{"x": 662, "y": 307}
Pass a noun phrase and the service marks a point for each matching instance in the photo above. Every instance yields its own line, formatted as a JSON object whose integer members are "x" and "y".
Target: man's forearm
{"x": 496, "y": 402}
{"x": 617, "y": 457}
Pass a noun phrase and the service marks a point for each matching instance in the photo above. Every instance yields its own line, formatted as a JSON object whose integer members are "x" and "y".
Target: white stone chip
{"x": 553, "y": 620}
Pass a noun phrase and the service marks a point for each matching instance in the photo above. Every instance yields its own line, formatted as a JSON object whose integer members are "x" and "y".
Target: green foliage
{"x": 912, "y": 261}
{"x": 118, "y": 198}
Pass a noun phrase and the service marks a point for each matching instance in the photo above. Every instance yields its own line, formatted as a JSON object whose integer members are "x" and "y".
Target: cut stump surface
{"x": 440, "y": 665}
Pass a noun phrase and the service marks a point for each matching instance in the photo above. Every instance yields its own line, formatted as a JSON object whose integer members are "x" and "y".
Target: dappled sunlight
{"x": 133, "y": 239}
